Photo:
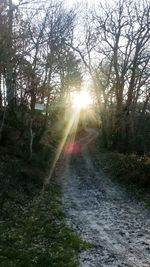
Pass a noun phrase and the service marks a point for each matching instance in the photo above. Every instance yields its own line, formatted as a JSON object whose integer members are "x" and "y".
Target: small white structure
{"x": 39, "y": 106}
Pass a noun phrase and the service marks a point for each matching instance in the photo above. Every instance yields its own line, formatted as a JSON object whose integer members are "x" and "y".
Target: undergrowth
{"x": 130, "y": 170}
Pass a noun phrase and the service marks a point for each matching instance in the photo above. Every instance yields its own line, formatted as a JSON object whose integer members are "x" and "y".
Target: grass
{"x": 36, "y": 234}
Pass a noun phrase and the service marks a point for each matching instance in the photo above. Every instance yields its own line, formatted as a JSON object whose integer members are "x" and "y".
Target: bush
{"x": 129, "y": 169}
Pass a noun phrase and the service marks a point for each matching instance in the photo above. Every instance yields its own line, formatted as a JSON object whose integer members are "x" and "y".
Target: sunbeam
{"x": 70, "y": 129}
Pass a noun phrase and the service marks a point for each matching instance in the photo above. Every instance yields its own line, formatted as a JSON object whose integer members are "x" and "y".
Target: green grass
{"x": 36, "y": 234}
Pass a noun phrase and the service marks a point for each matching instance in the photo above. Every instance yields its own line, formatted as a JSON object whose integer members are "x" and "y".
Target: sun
{"x": 81, "y": 100}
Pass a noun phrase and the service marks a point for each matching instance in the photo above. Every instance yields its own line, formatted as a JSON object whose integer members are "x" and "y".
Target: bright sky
{"x": 71, "y": 2}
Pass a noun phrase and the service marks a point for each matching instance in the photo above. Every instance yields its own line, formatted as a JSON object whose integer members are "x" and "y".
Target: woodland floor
{"x": 103, "y": 213}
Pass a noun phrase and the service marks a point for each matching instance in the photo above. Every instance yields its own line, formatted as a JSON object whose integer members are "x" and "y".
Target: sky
{"x": 71, "y": 2}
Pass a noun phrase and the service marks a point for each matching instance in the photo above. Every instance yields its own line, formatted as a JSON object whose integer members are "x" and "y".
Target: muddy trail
{"x": 103, "y": 213}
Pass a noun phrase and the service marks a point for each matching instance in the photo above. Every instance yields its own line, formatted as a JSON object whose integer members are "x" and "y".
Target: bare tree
{"x": 117, "y": 58}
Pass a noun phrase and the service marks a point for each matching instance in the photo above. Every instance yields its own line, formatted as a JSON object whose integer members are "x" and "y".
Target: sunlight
{"x": 68, "y": 145}
{"x": 72, "y": 125}
{"x": 81, "y": 100}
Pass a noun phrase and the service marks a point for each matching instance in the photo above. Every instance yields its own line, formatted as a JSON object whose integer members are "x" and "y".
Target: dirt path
{"x": 102, "y": 213}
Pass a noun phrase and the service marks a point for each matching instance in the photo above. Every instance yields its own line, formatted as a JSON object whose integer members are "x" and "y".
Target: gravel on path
{"x": 103, "y": 213}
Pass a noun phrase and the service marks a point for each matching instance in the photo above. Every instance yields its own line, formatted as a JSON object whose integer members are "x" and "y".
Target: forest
{"x": 72, "y": 76}
{"x": 47, "y": 50}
